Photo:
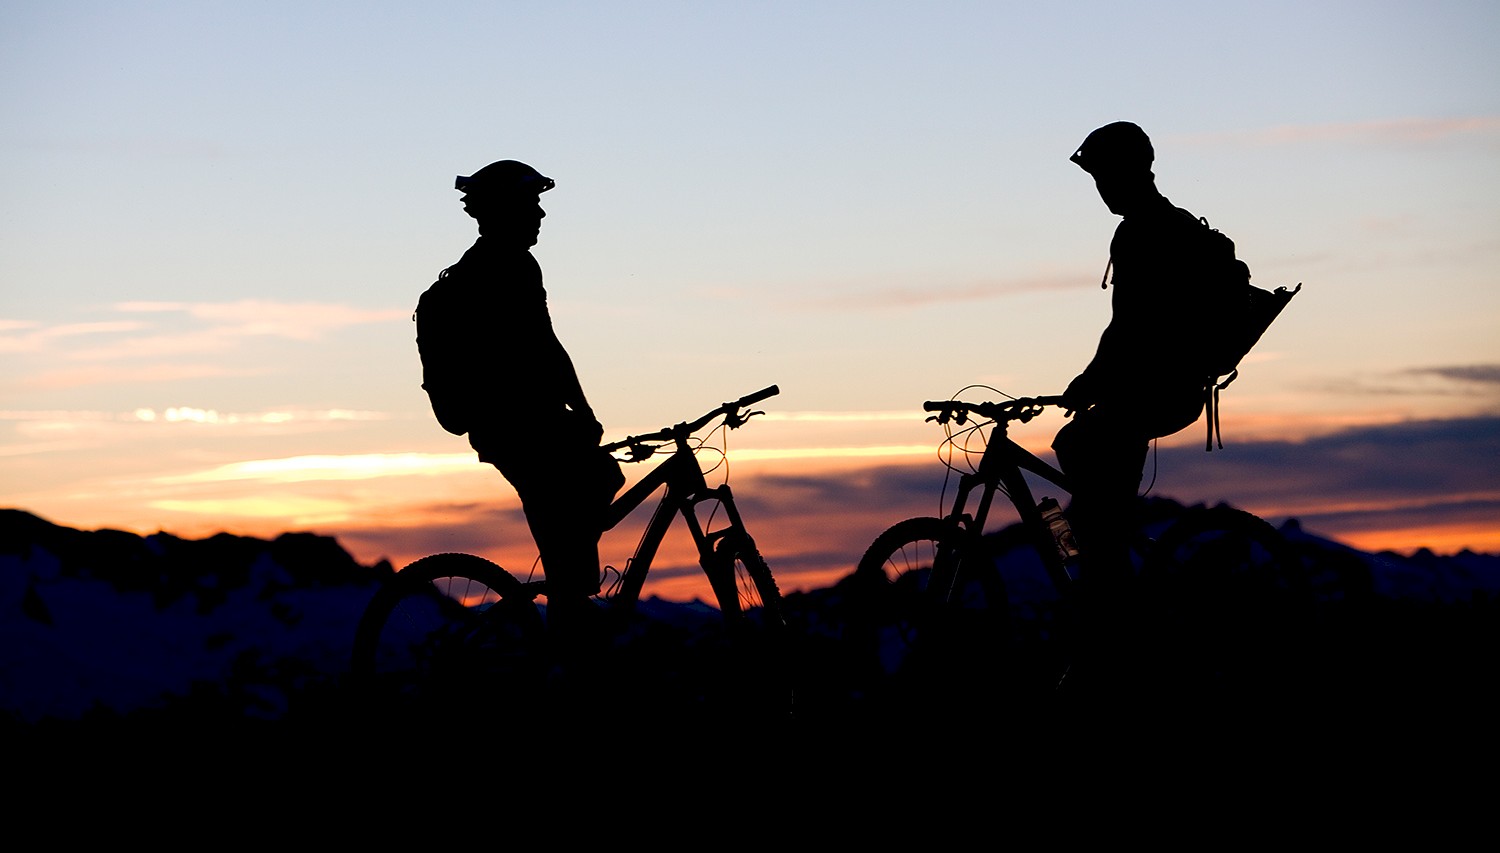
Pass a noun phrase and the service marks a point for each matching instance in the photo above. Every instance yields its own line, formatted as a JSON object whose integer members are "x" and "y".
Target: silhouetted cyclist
{"x": 1139, "y": 385}
{"x": 494, "y": 368}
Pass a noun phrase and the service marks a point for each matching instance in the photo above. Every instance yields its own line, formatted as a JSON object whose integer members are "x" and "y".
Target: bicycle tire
{"x": 449, "y": 631}
{"x": 746, "y": 589}
{"x": 756, "y": 681}
{"x": 1227, "y": 603}
{"x": 906, "y": 623}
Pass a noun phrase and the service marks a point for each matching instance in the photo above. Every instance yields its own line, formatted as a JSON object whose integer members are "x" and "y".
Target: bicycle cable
{"x": 963, "y": 442}
{"x": 608, "y": 587}
{"x": 722, "y": 449}
{"x": 722, "y": 430}
{"x": 1153, "y": 470}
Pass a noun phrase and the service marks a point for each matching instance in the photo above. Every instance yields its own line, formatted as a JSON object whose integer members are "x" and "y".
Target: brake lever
{"x": 735, "y": 420}
{"x": 639, "y": 451}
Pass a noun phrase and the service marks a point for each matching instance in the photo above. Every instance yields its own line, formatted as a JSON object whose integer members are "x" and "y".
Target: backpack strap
{"x": 1211, "y": 390}
{"x": 1211, "y": 416}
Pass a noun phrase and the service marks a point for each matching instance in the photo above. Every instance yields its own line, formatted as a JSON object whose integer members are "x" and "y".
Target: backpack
{"x": 1243, "y": 313}
{"x": 440, "y": 357}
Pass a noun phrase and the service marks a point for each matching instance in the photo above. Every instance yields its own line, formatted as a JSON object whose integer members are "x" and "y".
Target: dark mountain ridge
{"x": 106, "y": 626}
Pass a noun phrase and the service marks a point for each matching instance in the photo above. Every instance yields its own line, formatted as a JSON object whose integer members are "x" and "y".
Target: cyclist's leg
{"x": 565, "y": 519}
{"x": 1103, "y": 458}
{"x": 564, "y": 497}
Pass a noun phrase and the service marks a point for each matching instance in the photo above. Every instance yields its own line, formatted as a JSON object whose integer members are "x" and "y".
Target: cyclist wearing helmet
{"x": 494, "y": 368}
{"x": 1139, "y": 385}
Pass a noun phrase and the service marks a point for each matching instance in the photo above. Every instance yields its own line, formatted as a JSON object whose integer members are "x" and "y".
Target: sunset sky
{"x": 216, "y": 219}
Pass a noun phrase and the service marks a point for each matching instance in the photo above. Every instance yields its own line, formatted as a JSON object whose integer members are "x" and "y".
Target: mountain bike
{"x": 945, "y": 594}
{"x": 457, "y": 628}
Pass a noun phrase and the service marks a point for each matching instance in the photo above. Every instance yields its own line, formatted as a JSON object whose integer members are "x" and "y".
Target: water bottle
{"x": 1062, "y": 532}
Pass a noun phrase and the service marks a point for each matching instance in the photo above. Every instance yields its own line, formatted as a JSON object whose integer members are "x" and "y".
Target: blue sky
{"x": 218, "y": 217}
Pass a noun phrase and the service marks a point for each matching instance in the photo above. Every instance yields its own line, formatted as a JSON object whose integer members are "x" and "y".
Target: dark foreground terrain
{"x": 229, "y": 655}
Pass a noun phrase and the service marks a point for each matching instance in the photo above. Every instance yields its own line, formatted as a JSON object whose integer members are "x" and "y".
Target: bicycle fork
{"x": 961, "y": 540}
{"x": 717, "y": 549}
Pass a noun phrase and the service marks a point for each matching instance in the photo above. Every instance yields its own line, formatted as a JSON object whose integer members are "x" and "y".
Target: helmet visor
{"x": 522, "y": 184}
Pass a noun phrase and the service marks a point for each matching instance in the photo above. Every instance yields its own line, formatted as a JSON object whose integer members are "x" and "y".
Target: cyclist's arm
{"x": 565, "y": 379}
{"x": 1085, "y": 388}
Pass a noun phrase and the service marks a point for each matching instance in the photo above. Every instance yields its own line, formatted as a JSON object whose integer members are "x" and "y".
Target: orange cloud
{"x": 27, "y": 337}
{"x": 1400, "y": 485}
{"x": 333, "y": 467}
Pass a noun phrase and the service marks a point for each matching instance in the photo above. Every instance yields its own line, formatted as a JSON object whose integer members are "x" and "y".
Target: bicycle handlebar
{"x": 1021, "y": 409}
{"x": 752, "y": 399}
{"x": 732, "y": 418}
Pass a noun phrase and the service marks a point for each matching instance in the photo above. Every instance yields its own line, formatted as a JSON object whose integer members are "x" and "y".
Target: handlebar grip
{"x": 752, "y": 399}
{"x": 936, "y": 405}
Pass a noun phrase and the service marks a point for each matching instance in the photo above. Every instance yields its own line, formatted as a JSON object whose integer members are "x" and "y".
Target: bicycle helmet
{"x": 505, "y": 176}
{"x": 1117, "y": 147}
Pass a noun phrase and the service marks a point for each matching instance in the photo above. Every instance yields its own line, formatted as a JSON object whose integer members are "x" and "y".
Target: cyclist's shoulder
{"x": 1162, "y": 215}
{"x": 445, "y": 289}
{"x": 1169, "y": 228}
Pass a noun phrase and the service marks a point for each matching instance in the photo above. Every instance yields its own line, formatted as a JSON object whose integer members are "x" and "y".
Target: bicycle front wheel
{"x": 747, "y": 676}
{"x": 926, "y": 602}
{"x": 744, "y": 586}
{"x": 449, "y": 631}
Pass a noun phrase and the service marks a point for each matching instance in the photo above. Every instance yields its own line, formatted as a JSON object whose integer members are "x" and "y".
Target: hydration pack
{"x": 1241, "y": 314}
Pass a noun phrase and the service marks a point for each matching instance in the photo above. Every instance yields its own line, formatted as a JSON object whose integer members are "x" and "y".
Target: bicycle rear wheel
{"x": 449, "y": 632}
{"x": 1227, "y": 604}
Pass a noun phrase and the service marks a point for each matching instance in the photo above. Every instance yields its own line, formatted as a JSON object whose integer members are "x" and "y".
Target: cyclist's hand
{"x": 1078, "y": 396}
{"x": 583, "y": 427}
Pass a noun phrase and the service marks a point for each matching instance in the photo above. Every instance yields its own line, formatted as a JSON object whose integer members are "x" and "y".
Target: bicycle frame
{"x": 685, "y": 488}
{"x": 447, "y": 617}
{"x": 935, "y": 594}
{"x": 1002, "y": 467}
